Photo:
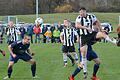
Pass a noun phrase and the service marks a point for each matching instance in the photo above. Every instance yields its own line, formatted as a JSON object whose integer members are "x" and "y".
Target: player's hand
{"x": 104, "y": 30}
{"x": 14, "y": 55}
{"x": 89, "y": 29}
{"x": 32, "y": 54}
{"x": 3, "y": 53}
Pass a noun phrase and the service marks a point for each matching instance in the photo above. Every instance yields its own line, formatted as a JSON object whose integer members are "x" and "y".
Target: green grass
{"x": 50, "y": 63}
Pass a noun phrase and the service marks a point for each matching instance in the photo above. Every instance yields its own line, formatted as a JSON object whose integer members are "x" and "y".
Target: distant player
{"x": 21, "y": 50}
{"x": 12, "y": 32}
{"x": 67, "y": 39}
{"x": 3, "y": 52}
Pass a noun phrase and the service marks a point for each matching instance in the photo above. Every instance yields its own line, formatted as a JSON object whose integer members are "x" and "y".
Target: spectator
{"x": 22, "y": 31}
{"x": 48, "y": 35}
{"x": 43, "y": 32}
{"x": 60, "y": 27}
{"x": 30, "y": 31}
{"x": 37, "y": 31}
{"x": 56, "y": 35}
{"x": 52, "y": 37}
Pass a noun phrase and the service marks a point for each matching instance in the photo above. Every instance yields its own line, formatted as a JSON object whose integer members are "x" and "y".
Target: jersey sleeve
{"x": 94, "y": 18}
{"x": 78, "y": 19}
{"x": 14, "y": 44}
{"x": 76, "y": 34}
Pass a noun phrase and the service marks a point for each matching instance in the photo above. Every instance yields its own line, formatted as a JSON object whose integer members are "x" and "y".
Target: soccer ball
{"x": 39, "y": 21}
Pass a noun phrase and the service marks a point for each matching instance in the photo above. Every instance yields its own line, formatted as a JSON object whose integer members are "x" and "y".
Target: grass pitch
{"x": 50, "y": 63}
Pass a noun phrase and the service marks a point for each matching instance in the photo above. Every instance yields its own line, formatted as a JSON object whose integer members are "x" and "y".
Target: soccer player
{"x": 3, "y": 52}
{"x": 21, "y": 50}
{"x": 12, "y": 32}
{"x": 91, "y": 56}
{"x": 67, "y": 39}
{"x": 85, "y": 23}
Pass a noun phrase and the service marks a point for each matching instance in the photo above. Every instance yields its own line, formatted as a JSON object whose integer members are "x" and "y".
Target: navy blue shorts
{"x": 91, "y": 54}
{"x": 24, "y": 57}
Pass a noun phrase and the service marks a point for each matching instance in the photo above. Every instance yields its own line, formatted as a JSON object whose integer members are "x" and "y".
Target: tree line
{"x": 14, "y": 7}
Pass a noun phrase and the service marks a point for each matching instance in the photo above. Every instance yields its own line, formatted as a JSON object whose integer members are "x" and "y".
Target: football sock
{"x": 9, "y": 71}
{"x": 76, "y": 57}
{"x": 111, "y": 40}
{"x": 84, "y": 63}
{"x": 65, "y": 58}
{"x": 33, "y": 69}
{"x": 77, "y": 70}
{"x": 95, "y": 69}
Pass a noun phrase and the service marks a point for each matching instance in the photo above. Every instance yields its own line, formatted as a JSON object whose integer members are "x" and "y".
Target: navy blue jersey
{"x": 19, "y": 47}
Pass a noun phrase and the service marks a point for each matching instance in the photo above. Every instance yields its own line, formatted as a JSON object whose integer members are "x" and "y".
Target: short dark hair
{"x": 82, "y": 8}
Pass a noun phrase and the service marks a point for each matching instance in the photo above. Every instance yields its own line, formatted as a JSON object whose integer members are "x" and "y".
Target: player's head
{"x": 82, "y": 11}
{"x": 10, "y": 24}
{"x": 66, "y": 23}
{"x": 26, "y": 39}
{"x": 39, "y": 21}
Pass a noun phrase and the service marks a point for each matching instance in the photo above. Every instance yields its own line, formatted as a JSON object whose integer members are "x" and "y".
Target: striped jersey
{"x": 87, "y": 21}
{"x": 12, "y": 34}
{"x": 69, "y": 36}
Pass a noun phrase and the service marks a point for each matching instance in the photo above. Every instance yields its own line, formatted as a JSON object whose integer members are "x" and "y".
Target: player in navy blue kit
{"x": 21, "y": 50}
{"x": 91, "y": 56}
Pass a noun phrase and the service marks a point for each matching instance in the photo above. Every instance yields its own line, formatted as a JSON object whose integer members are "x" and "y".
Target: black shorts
{"x": 66, "y": 49}
{"x": 88, "y": 39}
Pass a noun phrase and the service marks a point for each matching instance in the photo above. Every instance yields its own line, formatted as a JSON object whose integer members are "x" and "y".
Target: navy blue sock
{"x": 95, "y": 70}
{"x": 9, "y": 71}
{"x": 33, "y": 69}
{"x": 78, "y": 69}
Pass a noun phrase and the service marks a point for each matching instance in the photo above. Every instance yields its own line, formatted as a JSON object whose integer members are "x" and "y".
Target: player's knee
{"x": 33, "y": 62}
{"x": 83, "y": 51}
{"x": 98, "y": 62}
{"x": 80, "y": 66}
{"x": 10, "y": 64}
{"x": 100, "y": 35}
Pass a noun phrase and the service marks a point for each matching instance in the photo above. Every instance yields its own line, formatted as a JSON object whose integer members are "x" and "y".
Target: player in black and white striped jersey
{"x": 12, "y": 33}
{"x": 86, "y": 23}
{"x": 67, "y": 38}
